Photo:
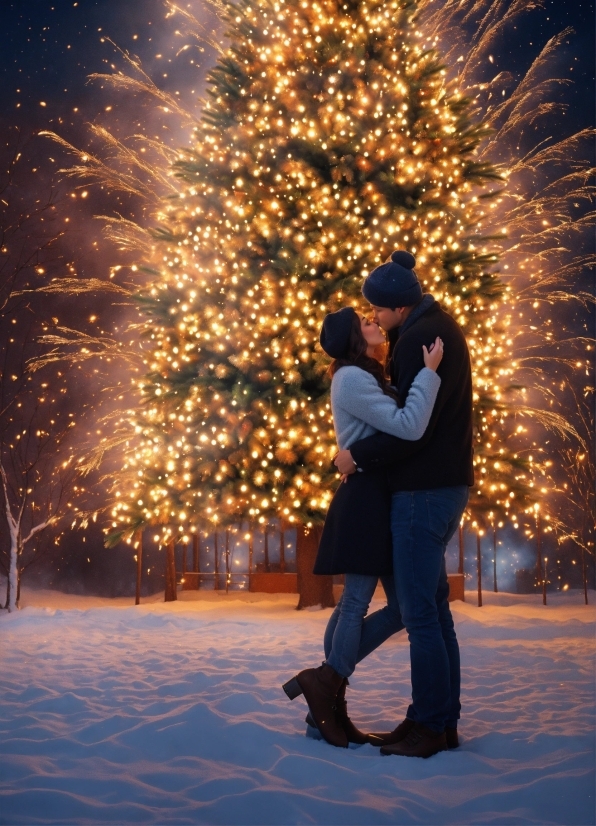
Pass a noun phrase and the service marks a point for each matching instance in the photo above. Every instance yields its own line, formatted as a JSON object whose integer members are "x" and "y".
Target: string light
{"x": 312, "y": 162}
{"x": 310, "y": 165}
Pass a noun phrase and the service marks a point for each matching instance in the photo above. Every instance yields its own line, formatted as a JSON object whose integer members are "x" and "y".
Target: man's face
{"x": 387, "y": 318}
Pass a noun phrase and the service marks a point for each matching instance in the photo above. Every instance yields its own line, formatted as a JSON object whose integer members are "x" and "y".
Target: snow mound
{"x": 174, "y": 714}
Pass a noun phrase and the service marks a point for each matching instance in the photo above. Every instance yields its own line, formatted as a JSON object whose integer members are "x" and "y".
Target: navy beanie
{"x": 394, "y": 284}
{"x": 335, "y": 332}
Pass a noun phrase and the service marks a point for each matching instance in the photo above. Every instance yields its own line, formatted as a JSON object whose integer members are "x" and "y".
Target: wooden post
{"x": 585, "y": 575}
{"x": 544, "y": 583}
{"x": 584, "y": 566}
{"x": 266, "y": 545}
{"x": 227, "y": 559}
{"x": 314, "y": 589}
{"x": 184, "y": 553}
{"x": 460, "y": 567}
{"x": 139, "y": 567}
{"x": 495, "y": 583}
{"x": 196, "y": 565}
{"x": 170, "y": 589}
{"x": 250, "y": 548}
{"x": 479, "y": 568}
{"x": 216, "y": 562}
{"x": 282, "y": 550}
{"x": 538, "y": 548}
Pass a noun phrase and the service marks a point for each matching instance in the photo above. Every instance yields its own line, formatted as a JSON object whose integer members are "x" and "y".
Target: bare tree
{"x": 36, "y": 484}
{"x": 37, "y": 468}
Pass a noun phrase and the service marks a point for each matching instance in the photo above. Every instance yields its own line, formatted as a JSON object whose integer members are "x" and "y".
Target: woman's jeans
{"x": 422, "y": 523}
{"x": 349, "y": 637}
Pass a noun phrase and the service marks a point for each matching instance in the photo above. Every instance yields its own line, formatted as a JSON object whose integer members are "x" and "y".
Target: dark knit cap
{"x": 394, "y": 284}
{"x": 335, "y": 332}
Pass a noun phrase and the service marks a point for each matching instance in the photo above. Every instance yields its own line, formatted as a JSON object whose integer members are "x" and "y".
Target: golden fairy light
{"x": 544, "y": 215}
{"x": 333, "y": 134}
{"x": 330, "y": 138}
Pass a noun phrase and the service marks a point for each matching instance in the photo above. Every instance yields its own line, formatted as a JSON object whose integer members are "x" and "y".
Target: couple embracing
{"x": 404, "y": 434}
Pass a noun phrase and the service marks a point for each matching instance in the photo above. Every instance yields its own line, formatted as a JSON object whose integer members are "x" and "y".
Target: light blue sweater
{"x": 360, "y": 407}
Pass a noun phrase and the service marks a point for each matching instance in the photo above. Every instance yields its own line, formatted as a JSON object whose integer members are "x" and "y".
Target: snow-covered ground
{"x": 175, "y": 714}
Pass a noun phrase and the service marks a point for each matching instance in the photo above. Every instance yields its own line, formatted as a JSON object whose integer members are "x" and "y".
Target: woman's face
{"x": 371, "y": 331}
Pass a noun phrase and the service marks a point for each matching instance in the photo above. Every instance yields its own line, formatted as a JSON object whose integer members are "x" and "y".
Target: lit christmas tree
{"x": 329, "y": 139}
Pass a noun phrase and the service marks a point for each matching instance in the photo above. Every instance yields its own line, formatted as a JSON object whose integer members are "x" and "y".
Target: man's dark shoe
{"x": 419, "y": 742}
{"x": 387, "y": 738}
{"x": 452, "y": 738}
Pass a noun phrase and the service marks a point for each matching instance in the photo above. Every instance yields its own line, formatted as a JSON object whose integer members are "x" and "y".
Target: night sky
{"x": 50, "y": 48}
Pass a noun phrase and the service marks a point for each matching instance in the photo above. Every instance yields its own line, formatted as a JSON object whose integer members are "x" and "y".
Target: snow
{"x": 174, "y": 713}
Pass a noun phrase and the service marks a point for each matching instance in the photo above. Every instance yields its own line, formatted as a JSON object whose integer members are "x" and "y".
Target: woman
{"x": 356, "y": 539}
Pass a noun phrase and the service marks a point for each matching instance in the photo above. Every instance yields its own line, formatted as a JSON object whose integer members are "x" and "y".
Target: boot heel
{"x": 292, "y": 688}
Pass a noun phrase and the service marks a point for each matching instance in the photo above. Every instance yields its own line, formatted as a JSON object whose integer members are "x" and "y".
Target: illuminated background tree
{"x": 330, "y": 138}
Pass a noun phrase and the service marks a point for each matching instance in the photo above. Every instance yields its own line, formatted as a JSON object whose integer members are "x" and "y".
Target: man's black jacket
{"x": 443, "y": 456}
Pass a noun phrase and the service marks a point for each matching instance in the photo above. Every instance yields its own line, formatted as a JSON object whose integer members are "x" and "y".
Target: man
{"x": 429, "y": 480}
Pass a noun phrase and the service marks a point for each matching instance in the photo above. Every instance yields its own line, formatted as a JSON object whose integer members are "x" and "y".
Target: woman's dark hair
{"x": 356, "y": 356}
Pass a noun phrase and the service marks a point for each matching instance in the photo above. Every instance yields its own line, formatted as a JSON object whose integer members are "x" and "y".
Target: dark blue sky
{"x": 49, "y": 47}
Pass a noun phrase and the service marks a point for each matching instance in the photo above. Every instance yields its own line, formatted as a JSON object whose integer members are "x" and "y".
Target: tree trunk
{"x": 313, "y": 589}
{"x": 170, "y": 592}
{"x": 12, "y": 600}
{"x": 139, "y": 567}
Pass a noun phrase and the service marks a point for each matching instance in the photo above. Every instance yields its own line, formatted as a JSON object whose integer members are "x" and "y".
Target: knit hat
{"x": 335, "y": 332}
{"x": 394, "y": 284}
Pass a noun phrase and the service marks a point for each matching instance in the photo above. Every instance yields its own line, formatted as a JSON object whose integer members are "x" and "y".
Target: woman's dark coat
{"x": 356, "y": 538}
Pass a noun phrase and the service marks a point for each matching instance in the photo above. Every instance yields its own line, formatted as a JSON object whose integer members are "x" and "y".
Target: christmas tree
{"x": 330, "y": 137}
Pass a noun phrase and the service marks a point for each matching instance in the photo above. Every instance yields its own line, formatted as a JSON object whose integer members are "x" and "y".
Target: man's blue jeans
{"x": 422, "y": 523}
{"x": 351, "y": 635}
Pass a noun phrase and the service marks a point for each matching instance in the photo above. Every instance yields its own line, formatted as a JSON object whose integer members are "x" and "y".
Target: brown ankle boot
{"x": 353, "y": 734}
{"x": 320, "y": 687}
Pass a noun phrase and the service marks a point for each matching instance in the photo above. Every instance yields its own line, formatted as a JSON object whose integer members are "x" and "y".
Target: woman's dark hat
{"x": 394, "y": 283}
{"x": 335, "y": 332}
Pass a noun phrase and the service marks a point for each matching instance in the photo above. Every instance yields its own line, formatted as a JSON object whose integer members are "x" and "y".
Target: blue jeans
{"x": 422, "y": 523}
{"x": 351, "y": 635}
